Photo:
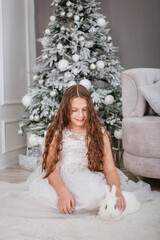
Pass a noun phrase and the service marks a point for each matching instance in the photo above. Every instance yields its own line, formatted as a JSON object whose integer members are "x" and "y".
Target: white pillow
{"x": 152, "y": 95}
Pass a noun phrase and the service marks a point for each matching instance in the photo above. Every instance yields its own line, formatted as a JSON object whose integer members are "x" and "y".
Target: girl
{"x": 77, "y": 148}
{"x": 77, "y": 165}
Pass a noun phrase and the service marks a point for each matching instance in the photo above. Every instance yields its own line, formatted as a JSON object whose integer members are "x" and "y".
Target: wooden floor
{"x": 16, "y": 174}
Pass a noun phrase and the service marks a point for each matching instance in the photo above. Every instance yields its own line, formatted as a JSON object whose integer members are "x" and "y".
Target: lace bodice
{"x": 74, "y": 150}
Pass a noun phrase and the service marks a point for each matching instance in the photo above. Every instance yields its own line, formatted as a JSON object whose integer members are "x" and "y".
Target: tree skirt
{"x": 144, "y": 224}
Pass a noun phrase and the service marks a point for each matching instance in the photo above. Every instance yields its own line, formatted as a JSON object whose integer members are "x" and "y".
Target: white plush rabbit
{"x": 108, "y": 208}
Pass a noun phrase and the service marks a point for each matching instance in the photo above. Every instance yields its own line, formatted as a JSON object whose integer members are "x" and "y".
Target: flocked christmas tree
{"x": 77, "y": 49}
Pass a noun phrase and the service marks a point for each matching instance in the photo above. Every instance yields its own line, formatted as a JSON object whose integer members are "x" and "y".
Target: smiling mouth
{"x": 80, "y": 120}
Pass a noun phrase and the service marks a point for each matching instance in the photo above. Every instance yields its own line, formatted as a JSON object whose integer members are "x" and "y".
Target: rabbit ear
{"x": 107, "y": 191}
{"x": 113, "y": 191}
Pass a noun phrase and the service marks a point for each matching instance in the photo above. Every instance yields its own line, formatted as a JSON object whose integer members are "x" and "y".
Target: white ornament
{"x": 68, "y": 4}
{"x": 31, "y": 117}
{"x": 35, "y": 77}
{"x": 101, "y": 22}
{"x": 76, "y": 18}
{"x": 63, "y": 65}
{"x": 20, "y": 132}
{"x": 44, "y": 56}
{"x": 47, "y": 31}
{"x": 118, "y": 134}
{"x": 27, "y": 100}
{"x": 86, "y": 83}
{"x": 75, "y": 71}
{"x": 69, "y": 14}
{"x": 67, "y": 75}
{"x": 71, "y": 83}
{"x": 96, "y": 107}
{"x": 45, "y": 41}
{"x": 100, "y": 64}
{"x": 46, "y": 113}
{"x": 109, "y": 99}
{"x": 63, "y": 28}
{"x": 52, "y": 4}
{"x": 75, "y": 57}
{"x": 81, "y": 38}
{"x": 21, "y": 124}
{"x": 80, "y": 8}
{"x": 40, "y": 140}
{"x": 53, "y": 93}
{"x": 33, "y": 140}
{"x": 52, "y": 18}
{"x": 45, "y": 133}
{"x": 109, "y": 38}
{"x": 62, "y": 14}
{"x": 60, "y": 46}
{"x": 92, "y": 66}
{"x": 36, "y": 118}
{"x": 41, "y": 81}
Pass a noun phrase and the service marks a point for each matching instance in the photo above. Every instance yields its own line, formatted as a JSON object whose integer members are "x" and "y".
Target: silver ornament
{"x": 47, "y": 31}
{"x": 100, "y": 64}
{"x": 68, "y": 4}
{"x": 80, "y": 8}
{"x": 36, "y": 118}
{"x": 67, "y": 76}
{"x": 60, "y": 46}
{"x": 20, "y": 132}
{"x": 81, "y": 38}
{"x": 69, "y": 14}
{"x": 71, "y": 83}
{"x": 62, "y": 14}
{"x": 52, "y": 18}
{"x": 31, "y": 117}
{"x": 101, "y": 22}
{"x": 75, "y": 71}
{"x": 76, "y": 18}
{"x": 53, "y": 93}
{"x": 75, "y": 57}
{"x": 109, "y": 99}
{"x": 44, "y": 56}
{"x": 63, "y": 28}
{"x": 118, "y": 134}
{"x": 92, "y": 66}
{"x": 46, "y": 113}
{"x": 35, "y": 77}
{"x": 41, "y": 81}
{"x": 63, "y": 65}
{"x": 86, "y": 83}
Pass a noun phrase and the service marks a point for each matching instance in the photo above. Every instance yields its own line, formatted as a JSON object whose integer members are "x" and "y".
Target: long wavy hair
{"x": 94, "y": 136}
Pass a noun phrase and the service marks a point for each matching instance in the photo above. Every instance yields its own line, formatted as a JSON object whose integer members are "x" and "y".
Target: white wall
{"x": 17, "y": 57}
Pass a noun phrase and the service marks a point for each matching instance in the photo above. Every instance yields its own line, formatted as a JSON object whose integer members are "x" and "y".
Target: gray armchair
{"x": 140, "y": 125}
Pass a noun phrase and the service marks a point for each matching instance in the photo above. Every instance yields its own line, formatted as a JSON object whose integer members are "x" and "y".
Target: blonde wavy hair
{"x": 94, "y": 135}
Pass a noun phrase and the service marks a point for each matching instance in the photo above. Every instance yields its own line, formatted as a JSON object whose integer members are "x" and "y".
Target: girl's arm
{"x": 66, "y": 200}
{"x": 110, "y": 172}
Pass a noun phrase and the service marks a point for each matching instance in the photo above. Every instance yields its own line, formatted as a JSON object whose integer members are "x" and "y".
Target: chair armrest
{"x": 133, "y": 102}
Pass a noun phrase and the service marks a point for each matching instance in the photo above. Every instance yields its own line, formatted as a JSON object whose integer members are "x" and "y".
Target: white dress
{"x": 37, "y": 198}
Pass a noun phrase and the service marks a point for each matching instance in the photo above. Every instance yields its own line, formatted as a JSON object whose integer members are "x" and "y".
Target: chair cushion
{"x": 152, "y": 95}
{"x": 141, "y": 136}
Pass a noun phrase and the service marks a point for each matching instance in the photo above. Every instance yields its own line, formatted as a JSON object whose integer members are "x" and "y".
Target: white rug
{"x": 143, "y": 225}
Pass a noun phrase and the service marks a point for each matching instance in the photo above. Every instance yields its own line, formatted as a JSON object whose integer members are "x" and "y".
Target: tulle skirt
{"x": 37, "y": 198}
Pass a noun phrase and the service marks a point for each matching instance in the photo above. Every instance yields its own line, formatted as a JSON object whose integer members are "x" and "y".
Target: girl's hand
{"x": 66, "y": 201}
{"x": 121, "y": 202}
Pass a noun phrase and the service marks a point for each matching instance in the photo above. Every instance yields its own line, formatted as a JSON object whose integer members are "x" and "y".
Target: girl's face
{"x": 79, "y": 109}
